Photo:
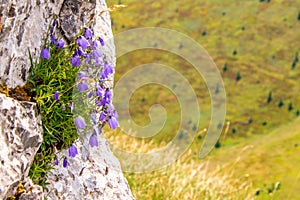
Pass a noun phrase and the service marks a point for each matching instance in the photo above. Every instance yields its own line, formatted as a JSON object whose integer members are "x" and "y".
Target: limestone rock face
{"x": 24, "y": 24}
{"x": 94, "y": 173}
{"x": 33, "y": 192}
{"x": 20, "y": 138}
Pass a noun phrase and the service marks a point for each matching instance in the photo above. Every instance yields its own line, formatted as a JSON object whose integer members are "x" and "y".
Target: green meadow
{"x": 255, "y": 45}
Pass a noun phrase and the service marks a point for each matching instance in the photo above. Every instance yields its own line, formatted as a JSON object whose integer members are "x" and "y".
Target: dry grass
{"x": 187, "y": 178}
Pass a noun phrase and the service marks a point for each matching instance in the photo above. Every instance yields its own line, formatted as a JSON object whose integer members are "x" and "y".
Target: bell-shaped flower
{"x": 101, "y": 41}
{"x": 94, "y": 140}
{"x": 88, "y": 33}
{"x": 75, "y": 61}
{"x": 83, "y": 42}
{"x": 45, "y": 54}
{"x": 79, "y": 122}
{"x": 60, "y": 44}
{"x": 65, "y": 163}
{"x": 73, "y": 151}
{"x": 113, "y": 122}
{"x": 56, "y": 95}
{"x": 82, "y": 86}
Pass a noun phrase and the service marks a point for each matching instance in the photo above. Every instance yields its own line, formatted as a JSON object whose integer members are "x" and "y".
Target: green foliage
{"x": 290, "y": 106}
{"x": 295, "y": 61}
{"x": 280, "y": 104}
{"x": 59, "y": 131}
{"x": 270, "y": 98}
{"x": 238, "y": 76}
{"x": 218, "y": 144}
{"x": 225, "y": 67}
{"x": 234, "y": 52}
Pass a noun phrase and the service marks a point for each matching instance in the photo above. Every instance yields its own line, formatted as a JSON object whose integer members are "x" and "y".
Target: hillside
{"x": 255, "y": 45}
{"x": 267, "y": 159}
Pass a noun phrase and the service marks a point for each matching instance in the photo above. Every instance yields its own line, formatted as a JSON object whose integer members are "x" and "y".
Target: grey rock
{"x": 99, "y": 177}
{"x": 20, "y": 139}
{"x": 21, "y": 21}
{"x": 77, "y": 11}
{"x": 95, "y": 173}
{"x": 33, "y": 192}
{"x": 24, "y": 24}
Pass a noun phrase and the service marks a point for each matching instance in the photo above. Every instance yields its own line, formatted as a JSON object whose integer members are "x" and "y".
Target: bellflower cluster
{"x": 59, "y": 44}
{"x": 93, "y": 80}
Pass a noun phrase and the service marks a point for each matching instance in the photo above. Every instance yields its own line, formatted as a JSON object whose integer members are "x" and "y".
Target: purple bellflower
{"x": 104, "y": 101}
{"x": 91, "y": 94}
{"x": 101, "y": 41}
{"x": 45, "y": 54}
{"x": 82, "y": 86}
{"x": 54, "y": 23}
{"x": 100, "y": 129}
{"x": 56, "y": 95}
{"x": 60, "y": 44}
{"x": 93, "y": 140}
{"x": 99, "y": 91}
{"x": 102, "y": 117}
{"x": 73, "y": 151}
{"x": 53, "y": 39}
{"x": 80, "y": 123}
{"x": 76, "y": 61}
{"x": 107, "y": 94}
{"x": 98, "y": 102}
{"x": 65, "y": 163}
{"x": 82, "y": 42}
{"x": 87, "y": 58}
{"x": 111, "y": 107}
{"x": 88, "y": 33}
{"x": 95, "y": 44}
{"x": 112, "y": 122}
{"x": 107, "y": 69}
{"x": 79, "y": 52}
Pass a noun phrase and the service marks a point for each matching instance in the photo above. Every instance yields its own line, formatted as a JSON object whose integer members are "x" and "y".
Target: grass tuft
{"x": 59, "y": 131}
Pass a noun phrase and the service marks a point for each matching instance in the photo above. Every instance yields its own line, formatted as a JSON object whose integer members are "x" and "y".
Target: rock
{"x": 94, "y": 173}
{"x": 75, "y": 11}
{"x": 33, "y": 192}
{"x": 28, "y": 191}
{"x": 21, "y": 21}
{"x": 20, "y": 139}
